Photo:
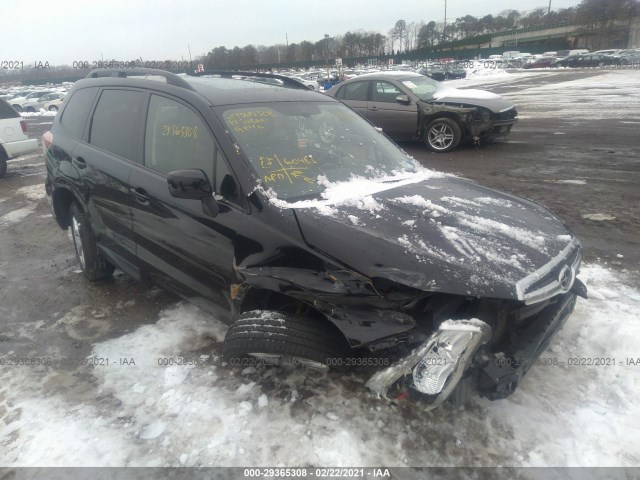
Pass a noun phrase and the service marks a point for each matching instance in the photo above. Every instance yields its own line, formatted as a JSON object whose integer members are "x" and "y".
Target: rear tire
{"x": 93, "y": 265}
{"x": 284, "y": 339}
{"x": 442, "y": 135}
{"x": 53, "y": 108}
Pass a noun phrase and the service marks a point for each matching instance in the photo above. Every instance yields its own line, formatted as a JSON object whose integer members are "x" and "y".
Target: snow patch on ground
{"x": 17, "y": 215}
{"x": 32, "y": 192}
{"x": 206, "y": 414}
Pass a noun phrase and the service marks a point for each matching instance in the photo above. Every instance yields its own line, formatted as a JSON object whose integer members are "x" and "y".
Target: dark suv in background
{"x": 284, "y": 213}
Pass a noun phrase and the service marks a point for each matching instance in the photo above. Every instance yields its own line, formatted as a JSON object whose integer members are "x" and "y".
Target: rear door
{"x": 104, "y": 163}
{"x": 398, "y": 120}
{"x": 177, "y": 241}
{"x": 355, "y": 94}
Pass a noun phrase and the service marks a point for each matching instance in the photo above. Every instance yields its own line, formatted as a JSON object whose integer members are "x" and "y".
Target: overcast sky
{"x": 63, "y": 31}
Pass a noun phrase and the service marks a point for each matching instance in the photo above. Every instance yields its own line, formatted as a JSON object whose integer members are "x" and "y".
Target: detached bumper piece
{"x": 435, "y": 368}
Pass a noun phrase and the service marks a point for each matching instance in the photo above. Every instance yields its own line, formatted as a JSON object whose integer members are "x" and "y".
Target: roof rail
{"x": 170, "y": 78}
{"x": 251, "y": 76}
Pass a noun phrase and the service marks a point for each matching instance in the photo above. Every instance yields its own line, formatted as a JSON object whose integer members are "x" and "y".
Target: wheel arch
{"x": 62, "y": 199}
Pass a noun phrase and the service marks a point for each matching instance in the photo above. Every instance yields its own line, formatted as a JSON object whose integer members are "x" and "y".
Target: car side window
{"x": 355, "y": 91}
{"x": 176, "y": 138}
{"x": 225, "y": 183}
{"x": 74, "y": 116}
{"x": 385, "y": 92}
{"x": 114, "y": 127}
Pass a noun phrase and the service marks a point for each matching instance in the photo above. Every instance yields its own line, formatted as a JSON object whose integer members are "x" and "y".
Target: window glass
{"x": 385, "y": 92}
{"x": 295, "y": 148}
{"x": 225, "y": 182}
{"x": 176, "y": 138}
{"x": 115, "y": 122}
{"x": 423, "y": 87}
{"x": 74, "y": 117}
{"x": 7, "y": 111}
{"x": 355, "y": 91}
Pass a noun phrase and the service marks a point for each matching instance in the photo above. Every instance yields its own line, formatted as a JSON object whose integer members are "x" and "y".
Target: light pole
{"x": 444, "y": 29}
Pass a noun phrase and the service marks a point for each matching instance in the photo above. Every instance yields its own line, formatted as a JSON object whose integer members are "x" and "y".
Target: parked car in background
{"x": 410, "y": 106}
{"x": 18, "y": 102}
{"x": 587, "y": 60}
{"x": 434, "y": 71}
{"x": 14, "y": 141}
{"x": 455, "y": 70}
{"x": 318, "y": 240}
{"x": 53, "y": 105}
{"x": 35, "y": 104}
{"x": 630, "y": 57}
{"x": 310, "y": 84}
{"x": 541, "y": 62}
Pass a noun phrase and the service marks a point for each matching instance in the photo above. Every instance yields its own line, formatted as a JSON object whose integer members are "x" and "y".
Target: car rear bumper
{"x": 21, "y": 147}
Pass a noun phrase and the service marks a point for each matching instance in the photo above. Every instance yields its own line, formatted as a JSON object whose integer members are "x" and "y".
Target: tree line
{"x": 411, "y": 36}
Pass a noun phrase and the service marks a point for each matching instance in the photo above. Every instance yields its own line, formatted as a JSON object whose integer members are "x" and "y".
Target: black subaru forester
{"x": 287, "y": 215}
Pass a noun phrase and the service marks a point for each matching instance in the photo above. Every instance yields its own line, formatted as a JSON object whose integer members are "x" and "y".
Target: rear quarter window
{"x": 74, "y": 116}
{"x": 7, "y": 111}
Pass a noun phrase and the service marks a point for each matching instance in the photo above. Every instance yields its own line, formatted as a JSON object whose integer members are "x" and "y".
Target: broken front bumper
{"x": 453, "y": 363}
{"x": 437, "y": 366}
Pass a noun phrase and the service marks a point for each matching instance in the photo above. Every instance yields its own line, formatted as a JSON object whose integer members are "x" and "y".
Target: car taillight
{"x": 47, "y": 140}
{"x": 23, "y": 125}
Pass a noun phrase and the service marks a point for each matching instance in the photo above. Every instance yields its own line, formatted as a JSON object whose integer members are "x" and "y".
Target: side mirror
{"x": 193, "y": 185}
{"x": 189, "y": 184}
{"x": 403, "y": 99}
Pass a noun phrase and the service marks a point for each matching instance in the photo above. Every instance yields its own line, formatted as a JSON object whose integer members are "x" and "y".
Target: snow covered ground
{"x": 213, "y": 414}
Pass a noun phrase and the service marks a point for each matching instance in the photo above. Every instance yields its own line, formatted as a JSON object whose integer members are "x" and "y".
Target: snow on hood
{"x": 472, "y": 93}
{"x": 433, "y": 232}
{"x": 481, "y": 98}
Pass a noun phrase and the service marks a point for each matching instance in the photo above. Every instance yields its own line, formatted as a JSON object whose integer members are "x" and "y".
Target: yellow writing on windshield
{"x": 290, "y": 170}
{"x": 248, "y": 121}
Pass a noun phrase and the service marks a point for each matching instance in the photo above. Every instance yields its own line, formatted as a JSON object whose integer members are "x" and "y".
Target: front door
{"x": 398, "y": 120}
{"x": 186, "y": 247}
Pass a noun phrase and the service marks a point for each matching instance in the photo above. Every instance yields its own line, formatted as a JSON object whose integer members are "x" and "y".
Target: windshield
{"x": 296, "y": 149}
{"x": 423, "y": 87}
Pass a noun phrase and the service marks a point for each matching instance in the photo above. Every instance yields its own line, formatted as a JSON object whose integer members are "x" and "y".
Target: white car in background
{"x": 310, "y": 84}
{"x": 35, "y": 104}
{"x": 53, "y": 105}
{"x": 18, "y": 102}
{"x": 13, "y": 136}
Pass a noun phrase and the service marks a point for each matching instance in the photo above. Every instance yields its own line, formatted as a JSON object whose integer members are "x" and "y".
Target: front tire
{"x": 91, "y": 262}
{"x": 442, "y": 135}
{"x": 284, "y": 339}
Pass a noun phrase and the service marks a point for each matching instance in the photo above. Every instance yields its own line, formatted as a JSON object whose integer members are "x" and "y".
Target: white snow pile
{"x": 207, "y": 413}
{"x": 41, "y": 113}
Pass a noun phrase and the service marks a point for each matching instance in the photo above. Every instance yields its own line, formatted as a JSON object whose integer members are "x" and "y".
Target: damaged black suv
{"x": 284, "y": 213}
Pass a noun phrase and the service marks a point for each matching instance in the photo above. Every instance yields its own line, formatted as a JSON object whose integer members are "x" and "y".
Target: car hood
{"x": 472, "y": 96}
{"x": 444, "y": 234}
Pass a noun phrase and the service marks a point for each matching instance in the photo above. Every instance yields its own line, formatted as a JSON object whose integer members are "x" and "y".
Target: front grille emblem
{"x": 566, "y": 277}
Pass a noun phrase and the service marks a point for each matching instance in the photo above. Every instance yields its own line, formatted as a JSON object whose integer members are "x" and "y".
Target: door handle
{"x": 140, "y": 195}
{"x": 374, "y": 109}
{"x": 79, "y": 162}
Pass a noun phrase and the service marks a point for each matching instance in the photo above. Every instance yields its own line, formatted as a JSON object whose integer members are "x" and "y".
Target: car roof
{"x": 397, "y": 75}
{"x": 229, "y": 91}
{"x": 216, "y": 90}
